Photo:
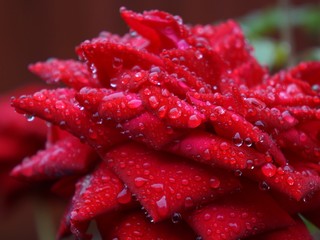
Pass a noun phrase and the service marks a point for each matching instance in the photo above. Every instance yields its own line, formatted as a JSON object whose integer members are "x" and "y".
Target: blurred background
{"x": 283, "y": 31}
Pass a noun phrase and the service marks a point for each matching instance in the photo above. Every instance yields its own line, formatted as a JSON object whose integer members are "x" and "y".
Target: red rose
{"x": 188, "y": 126}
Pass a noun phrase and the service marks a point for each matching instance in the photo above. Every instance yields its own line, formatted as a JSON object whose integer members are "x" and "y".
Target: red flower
{"x": 188, "y": 126}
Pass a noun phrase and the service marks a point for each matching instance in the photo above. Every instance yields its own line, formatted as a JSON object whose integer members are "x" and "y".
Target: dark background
{"x": 34, "y": 30}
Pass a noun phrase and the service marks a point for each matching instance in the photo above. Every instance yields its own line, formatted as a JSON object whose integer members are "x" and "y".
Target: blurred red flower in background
{"x": 184, "y": 122}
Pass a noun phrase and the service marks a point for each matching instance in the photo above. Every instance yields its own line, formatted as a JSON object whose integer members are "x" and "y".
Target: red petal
{"x": 198, "y": 62}
{"x": 165, "y": 184}
{"x": 245, "y": 214}
{"x": 307, "y": 71}
{"x": 72, "y": 73}
{"x": 135, "y": 226}
{"x": 213, "y": 150}
{"x": 233, "y": 126}
{"x": 97, "y": 193}
{"x": 287, "y": 180}
{"x": 298, "y": 231}
{"x": 60, "y": 107}
{"x": 66, "y": 157}
{"x": 163, "y": 30}
{"x": 149, "y": 129}
{"x": 107, "y": 59}
{"x": 118, "y": 106}
{"x": 174, "y": 111}
{"x": 226, "y": 39}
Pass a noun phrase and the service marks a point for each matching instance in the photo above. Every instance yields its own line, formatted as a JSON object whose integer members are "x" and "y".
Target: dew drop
{"x": 39, "y": 96}
{"x": 264, "y": 186}
{"x": 60, "y": 105}
{"x": 153, "y": 101}
{"x": 140, "y": 181}
{"x": 194, "y": 121}
{"x": 29, "y": 117}
{"x": 237, "y": 140}
{"x": 188, "y": 202}
{"x": 134, "y": 103}
{"x": 117, "y": 63}
{"x": 269, "y": 169}
{"x": 290, "y": 181}
{"x": 162, "y": 207}
{"x": 207, "y": 216}
{"x": 124, "y": 196}
{"x": 174, "y": 113}
{"x": 214, "y": 182}
{"x": 176, "y": 218}
{"x": 238, "y": 173}
{"x": 248, "y": 142}
{"x": 198, "y": 55}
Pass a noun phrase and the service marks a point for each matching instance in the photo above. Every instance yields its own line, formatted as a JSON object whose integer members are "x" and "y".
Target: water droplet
{"x": 290, "y": 181}
{"x": 250, "y": 164}
{"x": 176, "y": 218}
{"x": 153, "y": 101}
{"x": 238, "y": 173}
{"x": 188, "y": 202}
{"x": 214, "y": 182}
{"x": 134, "y": 103}
{"x": 124, "y": 196}
{"x": 174, "y": 113}
{"x": 162, "y": 111}
{"x": 158, "y": 187}
{"x": 162, "y": 207}
{"x": 185, "y": 182}
{"x": 198, "y": 55}
{"x": 29, "y": 117}
{"x": 117, "y": 63}
{"x": 194, "y": 121}
{"x": 288, "y": 117}
{"x": 237, "y": 140}
{"x": 248, "y": 142}
{"x": 224, "y": 146}
{"x": 140, "y": 181}
{"x": 39, "y": 96}
{"x": 207, "y": 216}
{"x": 269, "y": 170}
{"x": 60, "y": 105}
{"x": 264, "y": 186}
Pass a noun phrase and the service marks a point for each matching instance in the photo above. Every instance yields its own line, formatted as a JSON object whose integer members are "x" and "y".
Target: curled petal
{"x": 163, "y": 30}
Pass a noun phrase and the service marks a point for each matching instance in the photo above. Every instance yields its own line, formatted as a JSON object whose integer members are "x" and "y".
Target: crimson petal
{"x": 163, "y": 30}
{"x": 66, "y": 157}
{"x": 107, "y": 60}
{"x": 134, "y": 225}
{"x": 72, "y": 73}
{"x": 240, "y": 216}
{"x": 164, "y": 184}
{"x": 60, "y": 107}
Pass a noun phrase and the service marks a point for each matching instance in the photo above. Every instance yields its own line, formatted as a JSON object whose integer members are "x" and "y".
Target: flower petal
{"x": 243, "y": 215}
{"x": 165, "y": 184}
{"x": 72, "y": 73}
{"x": 134, "y": 225}
{"x": 66, "y": 157}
